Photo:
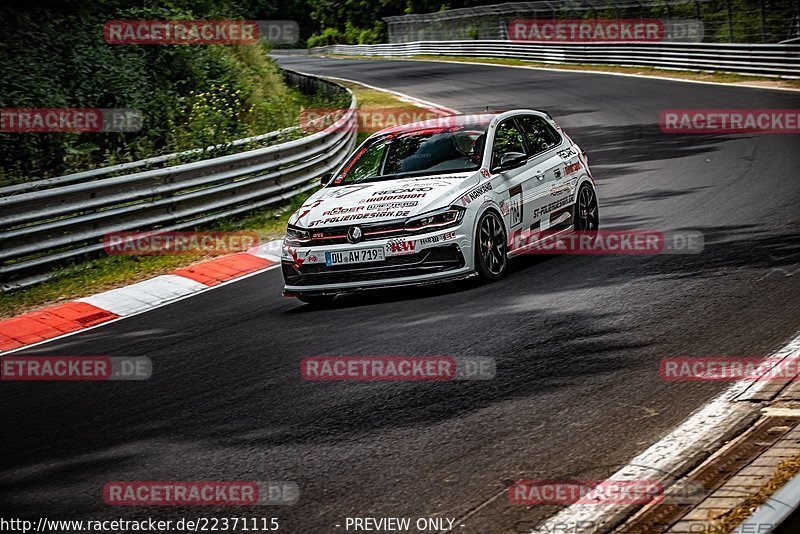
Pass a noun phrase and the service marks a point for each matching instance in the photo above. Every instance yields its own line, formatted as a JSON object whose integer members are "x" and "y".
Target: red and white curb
{"x": 71, "y": 317}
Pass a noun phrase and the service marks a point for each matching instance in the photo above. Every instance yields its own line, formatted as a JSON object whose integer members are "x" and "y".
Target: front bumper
{"x": 419, "y": 259}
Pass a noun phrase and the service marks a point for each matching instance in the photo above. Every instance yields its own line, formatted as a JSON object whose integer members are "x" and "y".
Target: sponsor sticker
{"x": 515, "y": 206}
{"x": 476, "y": 193}
{"x": 567, "y": 153}
{"x": 572, "y": 168}
{"x": 338, "y": 210}
{"x": 359, "y": 216}
{"x": 392, "y": 206}
{"x": 392, "y": 197}
{"x": 403, "y": 190}
{"x": 398, "y": 247}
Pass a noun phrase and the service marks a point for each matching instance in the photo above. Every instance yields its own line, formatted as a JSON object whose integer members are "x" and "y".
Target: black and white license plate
{"x": 363, "y": 255}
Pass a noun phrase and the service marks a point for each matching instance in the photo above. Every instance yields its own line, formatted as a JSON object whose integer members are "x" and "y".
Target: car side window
{"x": 538, "y": 133}
{"x": 507, "y": 138}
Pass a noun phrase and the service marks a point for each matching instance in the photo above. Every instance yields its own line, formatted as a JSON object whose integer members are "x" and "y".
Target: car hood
{"x": 381, "y": 201}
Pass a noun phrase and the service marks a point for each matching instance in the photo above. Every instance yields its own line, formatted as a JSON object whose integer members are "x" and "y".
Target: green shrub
{"x": 191, "y": 96}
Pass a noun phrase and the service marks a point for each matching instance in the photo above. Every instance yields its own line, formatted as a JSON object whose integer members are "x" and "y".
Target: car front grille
{"x": 432, "y": 260}
{"x": 338, "y": 235}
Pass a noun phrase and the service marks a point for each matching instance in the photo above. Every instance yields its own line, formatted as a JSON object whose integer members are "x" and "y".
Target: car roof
{"x": 445, "y": 121}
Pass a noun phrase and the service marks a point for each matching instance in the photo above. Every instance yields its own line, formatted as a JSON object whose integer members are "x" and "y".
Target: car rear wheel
{"x": 587, "y": 217}
{"x": 491, "y": 247}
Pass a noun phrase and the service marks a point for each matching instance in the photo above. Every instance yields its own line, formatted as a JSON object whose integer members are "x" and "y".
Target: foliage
{"x": 53, "y": 55}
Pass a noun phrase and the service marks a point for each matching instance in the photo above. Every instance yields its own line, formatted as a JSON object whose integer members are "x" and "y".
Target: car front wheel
{"x": 491, "y": 247}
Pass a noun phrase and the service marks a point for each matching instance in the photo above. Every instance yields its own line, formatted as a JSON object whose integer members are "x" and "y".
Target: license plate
{"x": 344, "y": 257}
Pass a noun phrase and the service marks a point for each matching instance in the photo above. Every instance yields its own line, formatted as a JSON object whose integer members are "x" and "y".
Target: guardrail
{"x": 775, "y": 512}
{"x": 47, "y": 222}
{"x": 781, "y": 60}
{"x": 289, "y": 52}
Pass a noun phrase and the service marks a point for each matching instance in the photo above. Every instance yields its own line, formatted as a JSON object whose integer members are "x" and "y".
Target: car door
{"x": 553, "y": 193}
{"x": 518, "y": 185}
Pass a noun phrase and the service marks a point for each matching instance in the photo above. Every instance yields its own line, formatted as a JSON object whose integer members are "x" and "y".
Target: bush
{"x": 54, "y": 56}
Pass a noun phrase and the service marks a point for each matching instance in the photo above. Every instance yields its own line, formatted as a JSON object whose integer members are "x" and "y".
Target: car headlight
{"x": 434, "y": 220}
{"x": 297, "y": 236}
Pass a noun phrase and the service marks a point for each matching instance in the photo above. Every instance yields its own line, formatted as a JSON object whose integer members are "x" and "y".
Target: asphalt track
{"x": 577, "y": 339}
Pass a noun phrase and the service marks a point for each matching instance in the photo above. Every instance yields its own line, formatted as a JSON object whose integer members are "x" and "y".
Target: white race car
{"x": 438, "y": 200}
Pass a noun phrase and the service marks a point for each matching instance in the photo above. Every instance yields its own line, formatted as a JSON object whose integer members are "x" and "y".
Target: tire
{"x": 586, "y": 214}
{"x": 317, "y": 300}
{"x": 491, "y": 247}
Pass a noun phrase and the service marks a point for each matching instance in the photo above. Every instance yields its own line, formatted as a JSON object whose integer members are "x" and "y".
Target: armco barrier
{"x": 781, "y": 60}
{"x": 46, "y": 222}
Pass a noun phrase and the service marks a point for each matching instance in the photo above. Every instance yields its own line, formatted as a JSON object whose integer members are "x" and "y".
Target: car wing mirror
{"x": 512, "y": 160}
{"x": 325, "y": 179}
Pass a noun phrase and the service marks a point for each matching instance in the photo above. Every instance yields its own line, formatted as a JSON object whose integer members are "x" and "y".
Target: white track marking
{"x": 697, "y": 434}
{"x": 142, "y": 296}
{"x": 402, "y": 96}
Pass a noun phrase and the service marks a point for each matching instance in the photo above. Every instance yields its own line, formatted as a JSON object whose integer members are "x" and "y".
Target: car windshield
{"x": 428, "y": 151}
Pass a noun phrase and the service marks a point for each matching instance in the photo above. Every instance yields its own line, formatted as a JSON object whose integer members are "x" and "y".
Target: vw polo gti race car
{"x": 438, "y": 200}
